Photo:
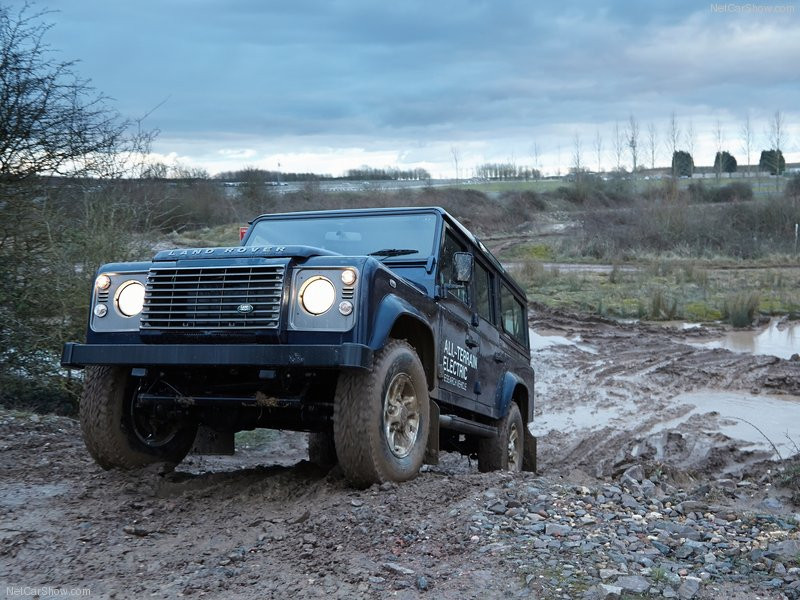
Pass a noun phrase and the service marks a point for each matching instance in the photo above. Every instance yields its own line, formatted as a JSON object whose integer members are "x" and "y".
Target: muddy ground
{"x": 267, "y": 524}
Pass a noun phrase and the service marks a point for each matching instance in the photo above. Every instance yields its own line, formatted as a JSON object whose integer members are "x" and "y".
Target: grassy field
{"x": 762, "y": 185}
{"x": 668, "y": 290}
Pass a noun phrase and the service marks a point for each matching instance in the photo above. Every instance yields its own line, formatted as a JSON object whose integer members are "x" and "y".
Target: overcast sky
{"x": 329, "y": 85}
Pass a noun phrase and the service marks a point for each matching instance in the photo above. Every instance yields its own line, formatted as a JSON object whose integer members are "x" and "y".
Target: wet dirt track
{"x": 267, "y": 524}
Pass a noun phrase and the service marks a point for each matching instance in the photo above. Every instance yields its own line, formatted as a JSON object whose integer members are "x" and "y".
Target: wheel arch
{"x": 514, "y": 389}
{"x": 397, "y": 319}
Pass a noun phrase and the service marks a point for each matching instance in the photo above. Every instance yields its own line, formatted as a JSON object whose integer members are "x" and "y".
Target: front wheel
{"x": 118, "y": 434}
{"x": 504, "y": 452}
{"x": 382, "y": 417}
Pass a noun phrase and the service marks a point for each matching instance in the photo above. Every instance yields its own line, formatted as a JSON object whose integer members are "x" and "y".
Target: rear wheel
{"x": 118, "y": 434}
{"x": 505, "y": 451}
{"x": 382, "y": 417}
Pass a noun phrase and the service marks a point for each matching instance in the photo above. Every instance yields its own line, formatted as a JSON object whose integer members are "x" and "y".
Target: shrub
{"x": 662, "y": 306}
{"x": 792, "y": 190}
{"x": 698, "y": 192}
{"x": 740, "y": 309}
{"x": 737, "y": 191}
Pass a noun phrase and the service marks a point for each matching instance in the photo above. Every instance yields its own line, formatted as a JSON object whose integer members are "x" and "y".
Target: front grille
{"x": 230, "y": 297}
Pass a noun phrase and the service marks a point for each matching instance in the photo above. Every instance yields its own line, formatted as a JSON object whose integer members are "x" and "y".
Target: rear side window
{"x": 513, "y": 316}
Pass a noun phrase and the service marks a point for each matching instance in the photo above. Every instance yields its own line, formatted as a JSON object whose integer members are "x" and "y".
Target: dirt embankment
{"x": 646, "y": 489}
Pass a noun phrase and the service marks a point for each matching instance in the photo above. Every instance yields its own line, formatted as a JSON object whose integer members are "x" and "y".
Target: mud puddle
{"x": 779, "y": 339}
{"x": 610, "y": 393}
{"x": 761, "y": 422}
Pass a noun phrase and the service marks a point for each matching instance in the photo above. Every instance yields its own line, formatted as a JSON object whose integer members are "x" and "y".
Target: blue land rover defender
{"x": 388, "y": 334}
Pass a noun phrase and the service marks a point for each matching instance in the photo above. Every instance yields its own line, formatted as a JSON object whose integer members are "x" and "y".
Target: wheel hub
{"x": 401, "y": 415}
{"x": 152, "y": 427}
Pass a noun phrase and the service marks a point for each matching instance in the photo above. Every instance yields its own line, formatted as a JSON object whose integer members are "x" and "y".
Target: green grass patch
{"x": 666, "y": 290}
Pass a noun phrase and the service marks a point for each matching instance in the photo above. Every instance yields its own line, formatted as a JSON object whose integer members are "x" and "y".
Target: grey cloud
{"x": 413, "y": 70}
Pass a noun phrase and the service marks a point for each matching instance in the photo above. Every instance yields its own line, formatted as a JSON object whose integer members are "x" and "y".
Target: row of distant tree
{"x": 253, "y": 175}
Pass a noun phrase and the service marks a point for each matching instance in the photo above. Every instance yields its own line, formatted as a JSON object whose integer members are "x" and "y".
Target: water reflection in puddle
{"x": 540, "y": 342}
{"x": 777, "y": 339}
{"x": 756, "y": 419}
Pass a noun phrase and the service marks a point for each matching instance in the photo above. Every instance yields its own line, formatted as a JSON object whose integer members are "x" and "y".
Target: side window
{"x": 447, "y": 271}
{"x": 513, "y": 316}
{"x": 483, "y": 292}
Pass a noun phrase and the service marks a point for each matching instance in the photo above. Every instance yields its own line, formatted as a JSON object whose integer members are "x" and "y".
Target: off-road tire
{"x": 107, "y": 425}
{"x": 529, "y": 457}
{"x": 493, "y": 453}
{"x": 321, "y": 449}
{"x": 358, "y": 418}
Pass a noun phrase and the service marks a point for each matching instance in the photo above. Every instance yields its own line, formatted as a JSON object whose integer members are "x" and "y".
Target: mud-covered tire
{"x": 529, "y": 457}
{"x": 373, "y": 406}
{"x": 505, "y": 451}
{"x": 109, "y": 429}
{"x": 321, "y": 449}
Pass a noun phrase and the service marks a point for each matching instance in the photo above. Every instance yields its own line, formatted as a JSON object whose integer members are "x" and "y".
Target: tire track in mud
{"x": 615, "y": 393}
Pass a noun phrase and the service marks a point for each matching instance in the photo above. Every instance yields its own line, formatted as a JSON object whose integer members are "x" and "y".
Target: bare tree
{"x": 51, "y": 120}
{"x": 632, "y": 141}
{"x": 535, "y": 152}
{"x": 456, "y": 154}
{"x": 747, "y": 140}
{"x": 691, "y": 138}
{"x": 618, "y": 145}
{"x": 719, "y": 138}
{"x": 651, "y": 143}
{"x": 577, "y": 156}
{"x": 673, "y": 138}
{"x": 598, "y": 149}
{"x": 558, "y": 159}
{"x": 777, "y": 131}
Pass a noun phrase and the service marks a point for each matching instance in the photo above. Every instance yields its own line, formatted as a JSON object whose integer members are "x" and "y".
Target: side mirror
{"x": 462, "y": 266}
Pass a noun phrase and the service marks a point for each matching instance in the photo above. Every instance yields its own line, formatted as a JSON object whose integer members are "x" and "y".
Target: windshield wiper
{"x": 393, "y": 252}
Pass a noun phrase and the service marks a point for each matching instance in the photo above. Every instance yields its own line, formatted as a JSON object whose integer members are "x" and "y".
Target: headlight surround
{"x": 130, "y": 298}
{"x": 317, "y": 295}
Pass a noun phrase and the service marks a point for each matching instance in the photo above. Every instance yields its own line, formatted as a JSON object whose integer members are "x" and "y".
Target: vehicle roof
{"x": 346, "y": 212}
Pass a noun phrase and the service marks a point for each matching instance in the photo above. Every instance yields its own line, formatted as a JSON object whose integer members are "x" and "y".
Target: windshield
{"x": 384, "y": 236}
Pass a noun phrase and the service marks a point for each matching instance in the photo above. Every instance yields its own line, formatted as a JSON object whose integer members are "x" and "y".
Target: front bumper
{"x": 252, "y": 355}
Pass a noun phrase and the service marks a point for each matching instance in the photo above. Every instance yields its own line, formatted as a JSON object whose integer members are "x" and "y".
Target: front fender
{"x": 385, "y": 316}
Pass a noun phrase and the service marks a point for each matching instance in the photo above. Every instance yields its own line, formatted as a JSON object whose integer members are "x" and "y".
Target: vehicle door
{"x": 458, "y": 346}
{"x": 491, "y": 359}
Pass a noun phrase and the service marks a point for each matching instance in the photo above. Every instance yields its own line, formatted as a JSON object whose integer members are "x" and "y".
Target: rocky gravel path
{"x": 253, "y": 531}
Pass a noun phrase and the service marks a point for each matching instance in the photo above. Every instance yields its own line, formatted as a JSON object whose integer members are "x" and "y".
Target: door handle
{"x": 499, "y": 357}
{"x": 471, "y": 341}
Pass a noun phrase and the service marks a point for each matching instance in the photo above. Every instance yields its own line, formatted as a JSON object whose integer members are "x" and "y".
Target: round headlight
{"x": 130, "y": 298}
{"x": 317, "y": 295}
